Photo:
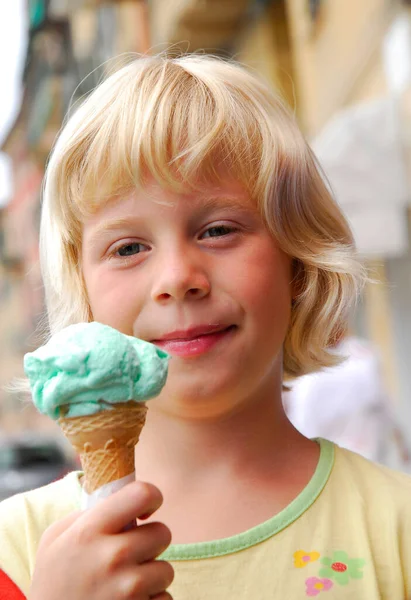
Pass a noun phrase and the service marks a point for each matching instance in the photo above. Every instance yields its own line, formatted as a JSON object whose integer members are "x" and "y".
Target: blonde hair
{"x": 179, "y": 121}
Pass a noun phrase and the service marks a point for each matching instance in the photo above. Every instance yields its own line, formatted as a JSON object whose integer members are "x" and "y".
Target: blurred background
{"x": 343, "y": 66}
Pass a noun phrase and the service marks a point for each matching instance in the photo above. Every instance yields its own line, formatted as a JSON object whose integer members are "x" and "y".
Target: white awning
{"x": 6, "y": 180}
{"x": 362, "y": 155}
{"x": 361, "y": 152}
{"x": 379, "y": 231}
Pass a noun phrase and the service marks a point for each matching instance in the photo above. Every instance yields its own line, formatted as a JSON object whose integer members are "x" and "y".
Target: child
{"x": 183, "y": 206}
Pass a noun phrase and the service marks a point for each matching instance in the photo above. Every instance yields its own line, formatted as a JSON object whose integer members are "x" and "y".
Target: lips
{"x": 193, "y": 341}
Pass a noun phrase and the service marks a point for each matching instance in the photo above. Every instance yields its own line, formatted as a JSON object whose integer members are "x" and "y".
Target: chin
{"x": 197, "y": 397}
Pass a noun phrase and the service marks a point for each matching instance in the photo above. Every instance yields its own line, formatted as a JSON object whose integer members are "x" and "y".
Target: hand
{"x": 89, "y": 556}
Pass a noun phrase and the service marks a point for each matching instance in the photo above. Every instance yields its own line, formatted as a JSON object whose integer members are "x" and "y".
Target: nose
{"x": 181, "y": 277}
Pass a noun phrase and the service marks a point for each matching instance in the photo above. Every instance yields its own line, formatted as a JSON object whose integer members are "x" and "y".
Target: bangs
{"x": 158, "y": 120}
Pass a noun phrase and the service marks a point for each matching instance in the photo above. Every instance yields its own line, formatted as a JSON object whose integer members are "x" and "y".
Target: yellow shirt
{"x": 347, "y": 535}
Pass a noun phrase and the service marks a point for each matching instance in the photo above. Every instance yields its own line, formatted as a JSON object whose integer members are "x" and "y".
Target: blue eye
{"x": 130, "y": 249}
{"x": 218, "y": 231}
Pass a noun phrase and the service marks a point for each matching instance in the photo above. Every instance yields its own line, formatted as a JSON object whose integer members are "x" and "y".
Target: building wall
{"x": 265, "y": 46}
{"x": 70, "y": 44}
{"x": 21, "y": 296}
{"x": 320, "y": 66}
{"x": 333, "y": 53}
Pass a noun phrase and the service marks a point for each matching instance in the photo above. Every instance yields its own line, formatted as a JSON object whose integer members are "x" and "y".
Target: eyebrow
{"x": 215, "y": 201}
{"x": 113, "y": 225}
{"x": 208, "y": 204}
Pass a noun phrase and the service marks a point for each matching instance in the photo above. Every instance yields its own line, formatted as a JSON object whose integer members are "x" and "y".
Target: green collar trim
{"x": 265, "y": 530}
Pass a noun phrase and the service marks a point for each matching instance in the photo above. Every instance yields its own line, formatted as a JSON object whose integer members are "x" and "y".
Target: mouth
{"x": 194, "y": 341}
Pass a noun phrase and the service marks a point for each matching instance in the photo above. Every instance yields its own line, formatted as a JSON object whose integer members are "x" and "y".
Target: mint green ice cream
{"x": 88, "y": 367}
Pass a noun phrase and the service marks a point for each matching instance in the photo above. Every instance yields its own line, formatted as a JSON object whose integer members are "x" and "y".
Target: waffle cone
{"x": 105, "y": 442}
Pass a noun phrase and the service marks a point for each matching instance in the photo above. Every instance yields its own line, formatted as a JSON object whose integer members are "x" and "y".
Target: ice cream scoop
{"x": 95, "y": 380}
{"x": 89, "y": 367}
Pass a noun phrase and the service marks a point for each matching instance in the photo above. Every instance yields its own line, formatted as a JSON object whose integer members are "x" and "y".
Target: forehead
{"x": 140, "y": 202}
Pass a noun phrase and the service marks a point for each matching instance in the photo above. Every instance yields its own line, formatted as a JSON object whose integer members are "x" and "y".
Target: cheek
{"x": 264, "y": 283}
{"x": 110, "y": 298}
{"x": 97, "y": 286}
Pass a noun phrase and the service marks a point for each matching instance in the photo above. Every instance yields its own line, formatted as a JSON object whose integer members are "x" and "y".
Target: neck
{"x": 253, "y": 454}
{"x": 256, "y": 437}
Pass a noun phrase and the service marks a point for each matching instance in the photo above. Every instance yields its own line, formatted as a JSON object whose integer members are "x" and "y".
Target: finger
{"x": 59, "y": 527}
{"x": 159, "y": 575}
{"x": 162, "y": 596}
{"x": 114, "y": 513}
{"x": 150, "y": 579}
{"x": 139, "y": 546}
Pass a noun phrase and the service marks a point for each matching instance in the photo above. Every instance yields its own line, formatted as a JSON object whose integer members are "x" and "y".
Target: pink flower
{"x": 314, "y": 586}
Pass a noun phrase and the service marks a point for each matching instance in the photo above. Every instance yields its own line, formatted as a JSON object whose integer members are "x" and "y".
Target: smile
{"x": 195, "y": 341}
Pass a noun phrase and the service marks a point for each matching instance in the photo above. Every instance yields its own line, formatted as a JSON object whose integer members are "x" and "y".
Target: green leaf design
{"x": 341, "y": 578}
{"x": 326, "y": 572}
{"x": 340, "y": 556}
{"x": 353, "y": 571}
{"x": 355, "y": 563}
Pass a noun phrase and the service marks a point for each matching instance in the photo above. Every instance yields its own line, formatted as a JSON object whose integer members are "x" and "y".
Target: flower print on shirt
{"x": 340, "y": 568}
{"x": 302, "y": 558}
{"x": 315, "y": 585}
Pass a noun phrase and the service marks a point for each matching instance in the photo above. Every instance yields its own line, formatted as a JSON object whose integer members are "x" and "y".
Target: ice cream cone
{"x": 105, "y": 442}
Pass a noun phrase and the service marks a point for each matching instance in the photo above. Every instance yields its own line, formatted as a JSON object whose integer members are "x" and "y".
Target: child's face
{"x": 200, "y": 276}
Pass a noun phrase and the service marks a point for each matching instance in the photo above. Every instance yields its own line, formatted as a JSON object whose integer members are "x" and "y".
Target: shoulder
{"x": 357, "y": 466}
{"x": 374, "y": 505}
{"x": 25, "y": 517}
{"x": 44, "y": 504}
{"x": 377, "y": 484}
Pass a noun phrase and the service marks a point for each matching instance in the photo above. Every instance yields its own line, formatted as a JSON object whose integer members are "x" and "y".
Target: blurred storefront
{"x": 334, "y": 62}
{"x": 352, "y": 73}
{"x": 68, "y": 41}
